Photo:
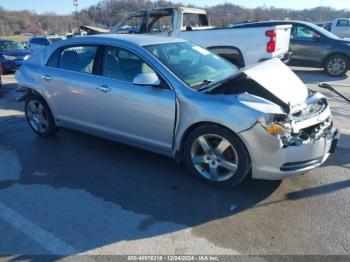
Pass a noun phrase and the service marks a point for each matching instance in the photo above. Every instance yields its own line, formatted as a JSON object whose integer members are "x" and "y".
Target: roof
{"x": 139, "y": 40}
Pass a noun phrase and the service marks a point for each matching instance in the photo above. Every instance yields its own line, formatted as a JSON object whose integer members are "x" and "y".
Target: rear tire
{"x": 336, "y": 65}
{"x": 216, "y": 156}
{"x": 39, "y": 116}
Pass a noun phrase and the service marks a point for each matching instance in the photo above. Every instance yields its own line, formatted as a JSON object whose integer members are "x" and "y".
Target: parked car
{"x": 240, "y": 47}
{"x": 12, "y": 55}
{"x": 326, "y": 25}
{"x": 173, "y": 97}
{"x": 37, "y": 43}
{"x": 340, "y": 27}
{"x": 1, "y": 73}
{"x": 313, "y": 46}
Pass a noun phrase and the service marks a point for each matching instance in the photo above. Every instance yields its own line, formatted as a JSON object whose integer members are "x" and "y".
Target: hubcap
{"x": 336, "y": 66}
{"x": 37, "y": 116}
{"x": 214, "y": 157}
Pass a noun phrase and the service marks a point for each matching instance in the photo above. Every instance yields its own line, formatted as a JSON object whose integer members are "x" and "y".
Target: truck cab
{"x": 241, "y": 47}
{"x": 341, "y": 27}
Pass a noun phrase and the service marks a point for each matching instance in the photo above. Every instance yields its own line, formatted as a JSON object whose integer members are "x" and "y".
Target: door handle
{"x": 103, "y": 88}
{"x": 46, "y": 77}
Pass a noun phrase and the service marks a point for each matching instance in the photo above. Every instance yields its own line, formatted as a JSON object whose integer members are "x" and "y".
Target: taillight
{"x": 271, "y": 45}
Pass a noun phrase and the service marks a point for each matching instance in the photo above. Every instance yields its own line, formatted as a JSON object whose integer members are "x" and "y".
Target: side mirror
{"x": 316, "y": 37}
{"x": 146, "y": 79}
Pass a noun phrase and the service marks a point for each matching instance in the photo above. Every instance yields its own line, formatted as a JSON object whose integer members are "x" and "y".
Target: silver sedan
{"x": 178, "y": 99}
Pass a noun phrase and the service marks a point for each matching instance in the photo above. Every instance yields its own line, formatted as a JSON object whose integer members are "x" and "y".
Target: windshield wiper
{"x": 217, "y": 83}
{"x": 201, "y": 83}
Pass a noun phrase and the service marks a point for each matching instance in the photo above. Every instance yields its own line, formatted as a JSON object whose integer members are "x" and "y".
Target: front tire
{"x": 336, "y": 65}
{"x": 216, "y": 156}
{"x": 39, "y": 116}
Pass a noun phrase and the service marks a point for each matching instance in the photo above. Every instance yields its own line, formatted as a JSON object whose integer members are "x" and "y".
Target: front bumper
{"x": 272, "y": 161}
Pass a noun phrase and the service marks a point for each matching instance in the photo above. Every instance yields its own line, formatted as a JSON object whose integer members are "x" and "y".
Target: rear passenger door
{"x": 68, "y": 78}
{"x": 141, "y": 114}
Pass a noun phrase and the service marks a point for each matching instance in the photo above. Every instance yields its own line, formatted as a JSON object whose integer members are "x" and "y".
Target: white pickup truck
{"x": 340, "y": 27}
{"x": 242, "y": 47}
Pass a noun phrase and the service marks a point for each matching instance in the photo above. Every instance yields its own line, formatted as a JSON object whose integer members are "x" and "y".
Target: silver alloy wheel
{"x": 336, "y": 66}
{"x": 214, "y": 157}
{"x": 37, "y": 116}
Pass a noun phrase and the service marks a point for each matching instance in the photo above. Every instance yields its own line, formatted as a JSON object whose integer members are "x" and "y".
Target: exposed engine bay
{"x": 301, "y": 123}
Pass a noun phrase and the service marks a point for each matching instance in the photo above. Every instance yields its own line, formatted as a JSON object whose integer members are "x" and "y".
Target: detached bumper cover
{"x": 273, "y": 162}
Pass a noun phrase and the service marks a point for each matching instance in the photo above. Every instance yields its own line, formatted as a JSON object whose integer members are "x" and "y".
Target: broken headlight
{"x": 276, "y": 125}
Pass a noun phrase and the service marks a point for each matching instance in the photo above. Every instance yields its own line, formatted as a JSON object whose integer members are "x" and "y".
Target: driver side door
{"x": 307, "y": 46}
{"x": 139, "y": 114}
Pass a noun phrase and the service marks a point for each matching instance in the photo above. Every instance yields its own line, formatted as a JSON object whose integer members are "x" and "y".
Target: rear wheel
{"x": 39, "y": 116}
{"x": 336, "y": 65}
{"x": 216, "y": 156}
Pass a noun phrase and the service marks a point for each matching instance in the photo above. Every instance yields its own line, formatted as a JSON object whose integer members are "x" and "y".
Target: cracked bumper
{"x": 273, "y": 162}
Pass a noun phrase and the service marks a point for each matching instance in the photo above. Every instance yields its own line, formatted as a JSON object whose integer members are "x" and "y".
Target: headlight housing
{"x": 26, "y": 57}
{"x": 9, "y": 57}
{"x": 276, "y": 125}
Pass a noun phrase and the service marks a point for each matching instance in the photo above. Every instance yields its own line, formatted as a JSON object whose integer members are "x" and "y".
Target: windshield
{"x": 323, "y": 31}
{"x": 194, "y": 65}
{"x": 10, "y": 45}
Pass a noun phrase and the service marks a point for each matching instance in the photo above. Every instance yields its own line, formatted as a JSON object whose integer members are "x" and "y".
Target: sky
{"x": 66, "y": 6}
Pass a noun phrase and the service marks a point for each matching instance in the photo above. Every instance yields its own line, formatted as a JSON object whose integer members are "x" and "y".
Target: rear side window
{"x": 194, "y": 20}
{"x": 39, "y": 41}
{"x": 77, "y": 58}
{"x": 133, "y": 24}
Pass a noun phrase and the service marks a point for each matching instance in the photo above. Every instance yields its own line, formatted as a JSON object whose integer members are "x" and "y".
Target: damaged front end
{"x": 303, "y": 124}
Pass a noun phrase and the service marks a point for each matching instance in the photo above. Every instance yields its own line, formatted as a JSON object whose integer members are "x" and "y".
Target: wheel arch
{"x": 333, "y": 54}
{"x": 179, "y": 153}
{"x": 33, "y": 92}
{"x": 234, "y": 49}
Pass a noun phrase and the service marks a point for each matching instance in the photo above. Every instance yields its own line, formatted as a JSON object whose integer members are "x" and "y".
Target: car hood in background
{"x": 16, "y": 53}
{"x": 279, "y": 80}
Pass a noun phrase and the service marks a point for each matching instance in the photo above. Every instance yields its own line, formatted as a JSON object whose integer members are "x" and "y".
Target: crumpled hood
{"x": 278, "y": 79}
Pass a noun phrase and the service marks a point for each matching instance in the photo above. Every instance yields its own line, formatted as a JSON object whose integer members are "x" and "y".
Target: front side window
{"x": 303, "y": 33}
{"x": 192, "y": 64}
{"x": 123, "y": 65}
{"x": 78, "y": 58}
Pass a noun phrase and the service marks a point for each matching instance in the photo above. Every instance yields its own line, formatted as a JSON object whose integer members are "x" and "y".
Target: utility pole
{"x": 2, "y": 29}
{"x": 75, "y": 3}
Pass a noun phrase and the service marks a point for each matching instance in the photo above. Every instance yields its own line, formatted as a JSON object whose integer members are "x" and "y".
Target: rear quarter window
{"x": 53, "y": 60}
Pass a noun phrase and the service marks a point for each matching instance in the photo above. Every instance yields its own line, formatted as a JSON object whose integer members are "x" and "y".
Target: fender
{"x": 26, "y": 93}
